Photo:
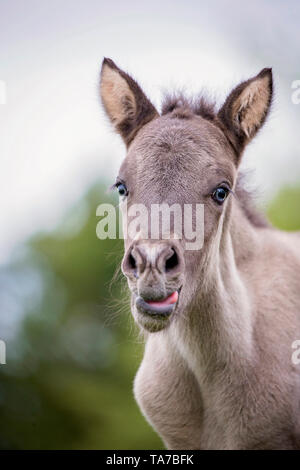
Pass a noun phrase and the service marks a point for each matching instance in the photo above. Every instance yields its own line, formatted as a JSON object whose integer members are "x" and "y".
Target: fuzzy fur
{"x": 218, "y": 373}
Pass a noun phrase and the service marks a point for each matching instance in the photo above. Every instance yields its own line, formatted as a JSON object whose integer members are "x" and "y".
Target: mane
{"x": 202, "y": 105}
{"x": 246, "y": 200}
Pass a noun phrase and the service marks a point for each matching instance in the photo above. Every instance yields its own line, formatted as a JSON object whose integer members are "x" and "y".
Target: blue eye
{"x": 122, "y": 190}
{"x": 220, "y": 194}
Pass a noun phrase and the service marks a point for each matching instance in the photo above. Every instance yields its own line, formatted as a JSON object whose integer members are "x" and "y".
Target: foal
{"x": 220, "y": 321}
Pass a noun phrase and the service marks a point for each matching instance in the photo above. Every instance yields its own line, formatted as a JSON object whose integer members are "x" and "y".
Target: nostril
{"x": 131, "y": 262}
{"x": 172, "y": 262}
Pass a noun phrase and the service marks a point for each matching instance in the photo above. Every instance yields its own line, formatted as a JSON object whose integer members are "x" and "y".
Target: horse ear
{"x": 125, "y": 103}
{"x": 246, "y": 108}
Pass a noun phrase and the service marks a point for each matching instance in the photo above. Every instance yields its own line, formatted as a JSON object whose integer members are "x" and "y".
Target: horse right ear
{"x": 246, "y": 108}
{"x": 125, "y": 103}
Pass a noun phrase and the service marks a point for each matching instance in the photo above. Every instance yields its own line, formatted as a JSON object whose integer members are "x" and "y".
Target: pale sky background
{"x": 54, "y": 139}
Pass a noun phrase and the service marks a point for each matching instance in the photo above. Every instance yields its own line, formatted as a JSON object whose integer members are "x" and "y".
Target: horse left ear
{"x": 246, "y": 108}
{"x": 125, "y": 103}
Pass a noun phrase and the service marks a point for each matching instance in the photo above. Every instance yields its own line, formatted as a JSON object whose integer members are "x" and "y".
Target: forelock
{"x": 182, "y": 107}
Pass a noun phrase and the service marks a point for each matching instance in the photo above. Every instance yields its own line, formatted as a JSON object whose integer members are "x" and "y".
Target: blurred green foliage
{"x": 284, "y": 210}
{"x": 72, "y": 347}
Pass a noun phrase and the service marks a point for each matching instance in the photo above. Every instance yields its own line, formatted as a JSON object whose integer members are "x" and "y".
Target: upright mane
{"x": 183, "y": 107}
{"x": 200, "y": 105}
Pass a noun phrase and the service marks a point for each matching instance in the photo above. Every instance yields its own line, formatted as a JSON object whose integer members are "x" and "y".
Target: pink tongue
{"x": 172, "y": 299}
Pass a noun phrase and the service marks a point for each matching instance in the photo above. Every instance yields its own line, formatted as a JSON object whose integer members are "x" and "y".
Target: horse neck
{"x": 217, "y": 329}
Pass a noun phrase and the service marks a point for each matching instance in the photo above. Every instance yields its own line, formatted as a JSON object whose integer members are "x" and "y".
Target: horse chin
{"x": 152, "y": 318}
{"x": 150, "y": 323}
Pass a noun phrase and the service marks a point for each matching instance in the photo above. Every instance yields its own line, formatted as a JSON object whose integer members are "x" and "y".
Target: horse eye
{"x": 220, "y": 194}
{"x": 122, "y": 190}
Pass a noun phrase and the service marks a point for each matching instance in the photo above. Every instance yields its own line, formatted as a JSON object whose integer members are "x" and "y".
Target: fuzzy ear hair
{"x": 125, "y": 103}
{"x": 246, "y": 108}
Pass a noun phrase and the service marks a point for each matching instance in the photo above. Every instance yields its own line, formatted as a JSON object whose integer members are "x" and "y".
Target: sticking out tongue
{"x": 172, "y": 299}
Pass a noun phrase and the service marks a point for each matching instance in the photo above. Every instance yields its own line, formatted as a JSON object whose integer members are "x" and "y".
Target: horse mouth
{"x": 158, "y": 308}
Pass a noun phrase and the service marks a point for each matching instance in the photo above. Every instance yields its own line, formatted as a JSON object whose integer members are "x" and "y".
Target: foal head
{"x": 187, "y": 155}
